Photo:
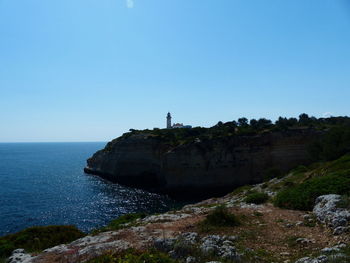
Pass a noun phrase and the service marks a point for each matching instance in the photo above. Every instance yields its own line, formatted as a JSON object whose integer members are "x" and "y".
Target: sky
{"x": 89, "y": 70}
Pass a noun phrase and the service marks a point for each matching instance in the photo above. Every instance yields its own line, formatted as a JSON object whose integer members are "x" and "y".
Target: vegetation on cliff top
{"x": 35, "y": 239}
{"x": 335, "y": 142}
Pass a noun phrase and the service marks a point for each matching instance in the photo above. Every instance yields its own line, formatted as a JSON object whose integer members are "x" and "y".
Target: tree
{"x": 304, "y": 119}
{"x": 254, "y": 123}
{"x": 219, "y": 124}
{"x": 231, "y": 124}
{"x": 292, "y": 122}
{"x": 282, "y": 123}
{"x": 264, "y": 123}
{"x": 243, "y": 122}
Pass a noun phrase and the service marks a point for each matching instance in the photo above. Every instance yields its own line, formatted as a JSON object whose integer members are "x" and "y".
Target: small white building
{"x": 175, "y": 125}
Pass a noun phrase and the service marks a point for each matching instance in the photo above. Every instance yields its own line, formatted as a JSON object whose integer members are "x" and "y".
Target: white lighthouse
{"x": 168, "y": 121}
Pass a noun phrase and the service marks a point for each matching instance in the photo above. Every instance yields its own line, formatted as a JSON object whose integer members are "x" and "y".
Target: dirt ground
{"x": 270, "y": 231}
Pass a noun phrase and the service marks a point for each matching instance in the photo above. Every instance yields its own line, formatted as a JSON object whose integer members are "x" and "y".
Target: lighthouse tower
{"x": 168, "y": 121}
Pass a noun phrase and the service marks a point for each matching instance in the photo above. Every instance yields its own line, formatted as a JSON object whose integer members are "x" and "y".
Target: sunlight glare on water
{"x": 44, "y": 184}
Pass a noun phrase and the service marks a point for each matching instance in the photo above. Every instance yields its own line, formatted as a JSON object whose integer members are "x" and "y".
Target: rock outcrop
{"x": 20, "y": 256}
{"x": 184, "y": 245}
{"x": 328, "y": 212}
{"x": 200, "y": 168}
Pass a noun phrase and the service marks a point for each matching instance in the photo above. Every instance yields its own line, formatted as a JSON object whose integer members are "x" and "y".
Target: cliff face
{"x": 199, "y": 169}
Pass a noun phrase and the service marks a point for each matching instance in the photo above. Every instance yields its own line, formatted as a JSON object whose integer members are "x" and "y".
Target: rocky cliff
{"x": 199, "y": 168}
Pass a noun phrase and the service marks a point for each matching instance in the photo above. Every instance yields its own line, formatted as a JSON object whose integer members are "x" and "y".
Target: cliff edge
{"x": 200, "y": 168}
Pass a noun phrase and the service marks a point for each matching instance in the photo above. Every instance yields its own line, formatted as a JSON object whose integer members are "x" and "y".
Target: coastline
{"x": 263, "y": 226}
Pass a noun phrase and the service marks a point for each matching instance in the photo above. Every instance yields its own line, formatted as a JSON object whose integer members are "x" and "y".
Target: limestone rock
{"x": 164, "y": 245}
{"x": 327, "y": 212}
{"x": 191, "y": 259}
{"x": 334, "y": 249}
{"x": 166, "y": 217}
{"x": 320, "y": 259}
{"x": 20, "y": 256}
{"x": 340, "y": 230}
{"x": 190, "y": 238}
{"x": 304, "y": 241}
{"x": 210, "y": 244}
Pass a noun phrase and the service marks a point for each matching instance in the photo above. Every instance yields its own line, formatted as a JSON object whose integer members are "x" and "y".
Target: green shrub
{"x": 182, "y": 248}
{"x": 241, "y": 189}
{"x": 256, "y": 198}
{"x": 272, "y": 173}
{"x": 303, "y": 196}
{"x": 288, "y": 184}
{"x": 219, "y": 217}
{"x": 292, "y": 241}
{"x": 124, "y": 219}
{"x": 38, "y": 238}
{"x": 119, "y": 223}
{"x": 340, "y": 165}
{"x": 257, "y": 213}
{"x": 300, "y": 169}
{"x": 344, "y": 202}
{"x": 310, "y": 221}
{"x": 134, "y": 257}
{"x": 264, "y": 185}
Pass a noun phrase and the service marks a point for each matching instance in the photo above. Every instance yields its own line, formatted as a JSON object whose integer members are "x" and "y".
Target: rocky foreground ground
{"x": 266, "y": 234}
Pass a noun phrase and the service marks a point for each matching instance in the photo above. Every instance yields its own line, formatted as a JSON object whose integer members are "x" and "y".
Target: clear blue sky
{"x": 88, "y": 70}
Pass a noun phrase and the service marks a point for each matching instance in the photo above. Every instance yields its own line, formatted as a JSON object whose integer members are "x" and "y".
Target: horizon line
{"x": 54, "y": 142}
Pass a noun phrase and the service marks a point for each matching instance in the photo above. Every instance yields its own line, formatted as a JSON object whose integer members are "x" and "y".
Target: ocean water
{"x": 44, "y": 184}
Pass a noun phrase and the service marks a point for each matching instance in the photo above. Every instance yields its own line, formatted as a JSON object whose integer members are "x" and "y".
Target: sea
{"x": 44, "y": 184}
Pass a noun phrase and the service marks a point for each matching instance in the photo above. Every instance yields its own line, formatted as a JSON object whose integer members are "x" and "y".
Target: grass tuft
{"x": 120, "y": 222}
{"x": 219, "y": 217}
{"x": 256, "y": 198}
{"x": 35, "y": 239}
{"x": 344, "y": 202}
